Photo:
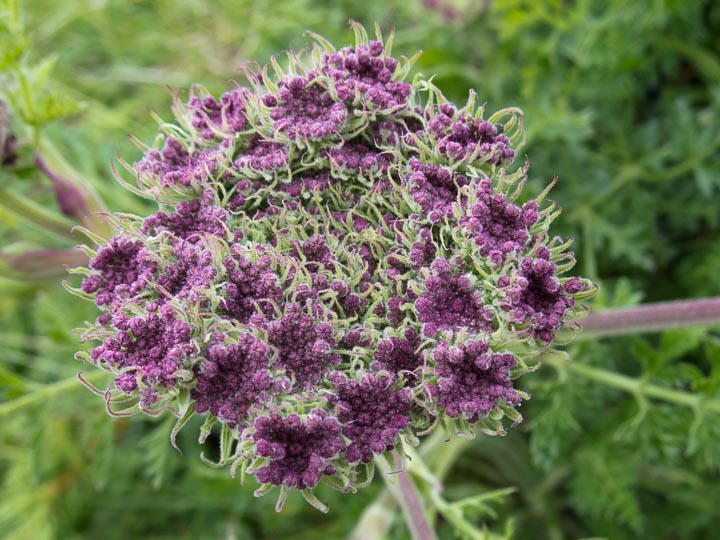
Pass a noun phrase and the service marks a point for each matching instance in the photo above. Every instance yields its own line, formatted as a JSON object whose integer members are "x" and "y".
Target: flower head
{"x": 338, "y": 264}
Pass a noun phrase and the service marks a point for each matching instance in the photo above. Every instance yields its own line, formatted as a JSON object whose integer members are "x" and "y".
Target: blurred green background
{"x": 622, "y": 103}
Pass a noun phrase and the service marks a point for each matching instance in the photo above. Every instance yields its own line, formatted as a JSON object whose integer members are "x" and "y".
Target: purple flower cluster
{"x": 471, "y": 379}
{"x": 451, "y": 301}
{"x": 305, "y": 184}
{"x": 423, "y": 250}
{"x": 535, "y": 296}
{"x": 357, "y": 158}
{"x": 401, "y": 354}
{"x": 227, "y": 116}
{"x": 314, "y": 253}
{"x": 461, "y": 137}
{"x": 348, "y": 301}
{"x": 304, "y": 109}
{"x": 336, "y": 265}
{"x": 304, "y": 345}
{"x": 189, "y": 275}
{"x": 175, "y": 166}
{"x": 191, "y": 219}
{"x": 261, "y": 156}
{"x": 152, "y": 348}
{"x": 498, "y": 227}
{"x": 300, "y": 453}
{"x": 232, "y": 379}
{"x": 123, "y": 269}
{"x": 371, "y": 412}
{"x": 252, "y": 287}
{"x": 363, "y": 75}
{"x": 434, "y": 188}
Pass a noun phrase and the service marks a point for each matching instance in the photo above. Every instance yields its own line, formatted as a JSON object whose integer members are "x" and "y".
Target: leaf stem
{"x": 33, "y": 212}
{"x": 635, "y": 386}
{"x": 47, "y": 391}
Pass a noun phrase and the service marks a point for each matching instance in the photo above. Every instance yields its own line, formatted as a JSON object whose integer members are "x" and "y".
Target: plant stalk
{"x": 413, "y": 508}
{"x": 438, "y": 453}
{"x": 651, "y": 318}
{"x": 400, "y": 485}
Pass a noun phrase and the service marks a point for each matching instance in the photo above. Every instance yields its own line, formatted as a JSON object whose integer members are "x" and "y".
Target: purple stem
{"x": 43, "y": 263}
{"x": 409, "y": 500}
{"x": 652, "y": 317}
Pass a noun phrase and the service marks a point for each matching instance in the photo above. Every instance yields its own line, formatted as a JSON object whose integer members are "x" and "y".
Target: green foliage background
{"x": 622, "y": 103}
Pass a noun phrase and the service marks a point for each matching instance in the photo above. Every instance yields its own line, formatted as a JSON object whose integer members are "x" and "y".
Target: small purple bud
{"x": 72, "y": 199}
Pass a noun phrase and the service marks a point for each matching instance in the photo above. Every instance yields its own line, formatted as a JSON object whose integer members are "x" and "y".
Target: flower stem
{"x": 438, "y": 453}
{"x": 401, "y": 486}
{"x": 651, "y": 318}
{"x": 413, "y": 508}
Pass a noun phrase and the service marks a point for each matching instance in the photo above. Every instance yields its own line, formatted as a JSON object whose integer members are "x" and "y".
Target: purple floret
{"x": 396, "y": 131}
{"x": 498, "y": 226}
{"x": 472, "y": 380}
{"x": 451, "y": 302}
{"x": 314, "y": 253}
{"x": 400, "y": 354}
{"x": 349, "y": 302}
{"x": 537, "y": 297}
{"x": 155, "y": 346}
{"x": 304, "y": 344}
{"x": 232, "y": 379}
{"x": 124, "y": 269}
{"x": 364, "y": 75}
{"x": 355, "y": 157}
{"x": 253, "y": 286}
{"x": 262, "y": 156}
{"x": 191, "y": 219}
{"x": 460, "y": 136}
{"x": 434, "y": 188}
{"x": 372, "y": 413}
{"x": 210, "y": 116}
{"x": 190, "y": 274}
{"x": 423, "y": 250}
{"x": 175, "y": 166}
{"x": 301, "y": 190}
{"x": 303, "y": 109}
{"x": 299, "y": 452}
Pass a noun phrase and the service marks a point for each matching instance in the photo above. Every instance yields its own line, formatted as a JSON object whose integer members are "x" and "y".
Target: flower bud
{"x": 8, "y": 140}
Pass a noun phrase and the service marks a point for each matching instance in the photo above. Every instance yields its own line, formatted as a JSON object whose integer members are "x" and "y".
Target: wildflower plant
{"x": 342, "y": 261}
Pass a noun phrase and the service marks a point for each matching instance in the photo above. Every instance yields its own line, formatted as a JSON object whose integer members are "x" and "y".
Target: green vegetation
{"x": 622, "y": 104}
